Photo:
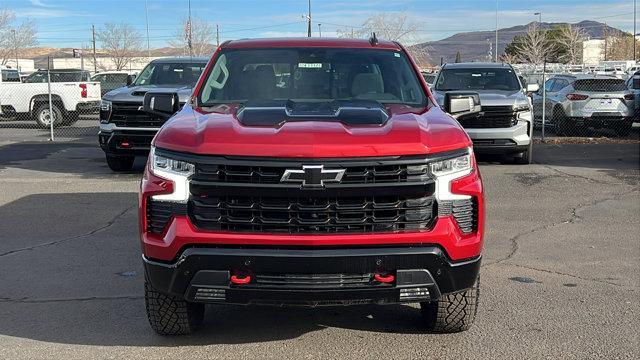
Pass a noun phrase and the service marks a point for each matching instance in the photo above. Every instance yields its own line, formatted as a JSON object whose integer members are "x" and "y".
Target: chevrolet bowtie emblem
{"x": 313, "y": 176}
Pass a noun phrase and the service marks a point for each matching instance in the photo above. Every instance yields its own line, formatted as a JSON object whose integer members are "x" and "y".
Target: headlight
{"x": 105, "y": 105}
{"x": 450, "y": 169}
{"x": 461, "y": 164}
{"x": 171, "y": 169}
{"x": 523, "y": 112}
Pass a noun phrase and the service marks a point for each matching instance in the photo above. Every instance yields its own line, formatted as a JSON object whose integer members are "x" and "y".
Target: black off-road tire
{"x": 120, "y": 163}
{"x": 170, "y": 315}
{"x": 526, "y": 157}
{"x": 453, "y": 312}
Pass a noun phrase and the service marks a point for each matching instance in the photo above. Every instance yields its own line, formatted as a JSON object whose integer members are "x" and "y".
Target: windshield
{"x": 10, "y": 76}
{"x": 162, "y": 73}
{"x": 477, "y": 79}
{"x": 317, "y": 74}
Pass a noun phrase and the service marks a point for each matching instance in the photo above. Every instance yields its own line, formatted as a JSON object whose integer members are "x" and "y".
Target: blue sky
{"x": 67, "y": 23}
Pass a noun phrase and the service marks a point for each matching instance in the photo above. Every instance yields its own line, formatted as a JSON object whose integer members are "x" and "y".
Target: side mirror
{"x": 129, "y": 80}
{"x": 461, "y": 103}
{"x": 161, "y": 104}
{"x": 533, "y": 88}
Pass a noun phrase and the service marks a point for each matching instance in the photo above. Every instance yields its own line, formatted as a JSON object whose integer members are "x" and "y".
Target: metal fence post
{"x": 51, "y": 118}
{"x": 544, "y": 97}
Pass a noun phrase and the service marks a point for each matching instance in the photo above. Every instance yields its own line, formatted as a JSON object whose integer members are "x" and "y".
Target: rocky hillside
{"x": 473, "y": 46}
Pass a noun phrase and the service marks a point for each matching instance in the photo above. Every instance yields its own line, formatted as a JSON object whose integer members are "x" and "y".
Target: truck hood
{"x": 136, "y": 93}
{"x": 494, "y": 98}
{"x": 409, "y": 131}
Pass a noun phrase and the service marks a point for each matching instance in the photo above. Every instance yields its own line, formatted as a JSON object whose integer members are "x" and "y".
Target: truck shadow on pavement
{"x": 71, "y": 157}
{"x": 72, "y": 274}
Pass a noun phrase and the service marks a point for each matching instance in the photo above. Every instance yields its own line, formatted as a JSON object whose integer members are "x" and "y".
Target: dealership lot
{"x": 560, "y": 276}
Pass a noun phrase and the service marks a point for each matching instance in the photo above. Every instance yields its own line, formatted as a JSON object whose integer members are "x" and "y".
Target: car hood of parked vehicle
{"x": 493, "y": 98}
{"x": 136, "y": 93}
{"x": 217, "y": 131}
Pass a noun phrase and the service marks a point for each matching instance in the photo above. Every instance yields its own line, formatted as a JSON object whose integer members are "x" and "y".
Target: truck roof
{"x": 476, "y": 65}
{"x": 310, "y": 42}
{"x": 181, "y": 59}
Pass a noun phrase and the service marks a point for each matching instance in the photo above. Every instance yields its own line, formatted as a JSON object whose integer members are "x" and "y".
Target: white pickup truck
{"x": 70, "y": 95}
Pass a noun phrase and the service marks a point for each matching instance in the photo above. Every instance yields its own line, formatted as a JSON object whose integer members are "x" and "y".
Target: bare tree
{"x": 571, "y": 39}
{"x": 620, "y": 47}
{"x": 202, "y": 37}
{"x": 509, "y": 58}
{"x": 388, "y": 26}
{"x": 13, "y": 39}
{"x": 534, "y": 46}
{"x": 121, "y": 41}
{"x": 420, "y": 55}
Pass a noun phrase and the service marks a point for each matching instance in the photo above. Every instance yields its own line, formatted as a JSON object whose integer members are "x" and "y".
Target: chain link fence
{"x": 586, "y": 105}
{"x": 60, "y": 105}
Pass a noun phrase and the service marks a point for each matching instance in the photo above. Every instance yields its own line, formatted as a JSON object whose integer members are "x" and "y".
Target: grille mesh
{"x": 492, "y": 117}
{"x": 128, "y": 115}
{"x": 312, "y": 214}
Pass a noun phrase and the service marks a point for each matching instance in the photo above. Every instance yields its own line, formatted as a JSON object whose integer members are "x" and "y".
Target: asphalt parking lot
{"x": 560, "y": 275}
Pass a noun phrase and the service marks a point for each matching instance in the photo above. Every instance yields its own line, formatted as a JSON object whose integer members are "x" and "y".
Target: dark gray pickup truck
{"x": 127, "y": 131}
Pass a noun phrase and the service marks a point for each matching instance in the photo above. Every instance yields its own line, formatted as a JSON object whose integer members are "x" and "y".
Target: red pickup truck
{"x": 311, "y": 172}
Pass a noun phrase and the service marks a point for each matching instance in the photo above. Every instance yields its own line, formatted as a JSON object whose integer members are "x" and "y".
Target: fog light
{"x": 417, "y": 293}
{"x": 204, "y": 294}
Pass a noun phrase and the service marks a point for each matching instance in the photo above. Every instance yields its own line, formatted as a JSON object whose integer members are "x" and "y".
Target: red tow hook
{"x": 384, "y": 278}
{"x": 241, "y": 279}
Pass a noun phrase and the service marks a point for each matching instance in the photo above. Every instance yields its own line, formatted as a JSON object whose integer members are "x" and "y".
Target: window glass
{"x": 156, "y": 74}
{"x": 478, "y": 79}
{"x": 10, "y": 76}
{"x": 548, "y": 85}
{"x": 313, "y": 74}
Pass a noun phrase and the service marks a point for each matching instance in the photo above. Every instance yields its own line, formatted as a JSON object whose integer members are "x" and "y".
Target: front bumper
{"x": 501, "y": 140}
{"x": 125, "y": 141}
{"x": 312, "y": 276}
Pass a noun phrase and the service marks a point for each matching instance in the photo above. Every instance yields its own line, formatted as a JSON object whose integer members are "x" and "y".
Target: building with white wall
{"x": 593, "y": 51}
{"x": 102, "y": 63}
{"x": 23, "y": 64}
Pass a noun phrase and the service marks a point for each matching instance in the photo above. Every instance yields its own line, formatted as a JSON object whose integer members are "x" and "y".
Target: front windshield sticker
{"x": 310, "y": 65}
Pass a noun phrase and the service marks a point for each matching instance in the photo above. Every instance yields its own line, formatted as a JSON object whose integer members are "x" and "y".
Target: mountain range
{"x": 474, "y": 46}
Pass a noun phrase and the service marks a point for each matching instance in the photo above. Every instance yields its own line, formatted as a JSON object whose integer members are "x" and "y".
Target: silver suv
{"x": 576, "y": 102}
{"x": 504, "y": 126}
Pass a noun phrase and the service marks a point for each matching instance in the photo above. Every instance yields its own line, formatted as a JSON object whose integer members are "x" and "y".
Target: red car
{"x": 311, "y": 172}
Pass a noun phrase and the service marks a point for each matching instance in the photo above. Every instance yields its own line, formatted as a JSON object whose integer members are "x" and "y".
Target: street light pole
{"x": 539, "y": 18}
{"x": 635, "y": 33}
{"x": 309, "y": 20}
{"x": 496, "y": 54}
{"x": 319, "y": 30}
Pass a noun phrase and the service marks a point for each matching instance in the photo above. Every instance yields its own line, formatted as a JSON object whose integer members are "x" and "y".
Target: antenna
{"x": 373, "y": 40}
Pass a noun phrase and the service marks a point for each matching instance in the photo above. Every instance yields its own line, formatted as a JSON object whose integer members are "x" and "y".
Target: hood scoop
{"x": 139, "y": 92}
{"x": 348, "y": 112}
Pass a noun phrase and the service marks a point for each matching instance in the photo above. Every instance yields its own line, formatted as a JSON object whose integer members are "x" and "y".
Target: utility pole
{"x": 496, "y": 54}
{"x": 604, "y": 32}
{"x": 635, "y": 33}
{"x": 319, "y": 30}
{"x": 146, "y": 17}
{"x": 189, "y": 31}
{"x": 309, "y": 21}
{"x": 93, "y": 33}
{"x": 15, "y": 47}
{"x": 217, "y": 35}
